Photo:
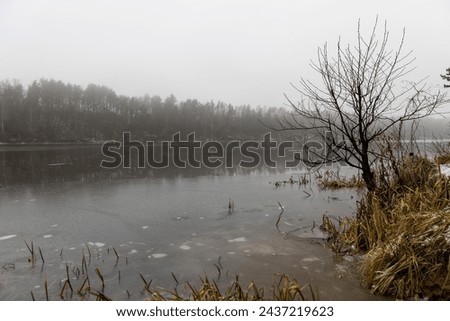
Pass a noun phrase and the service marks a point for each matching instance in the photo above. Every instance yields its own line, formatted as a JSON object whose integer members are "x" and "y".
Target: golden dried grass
{"x": 332, "y": 180}
{"x": 284, "y": 289}
{"x": 404, "y": 230}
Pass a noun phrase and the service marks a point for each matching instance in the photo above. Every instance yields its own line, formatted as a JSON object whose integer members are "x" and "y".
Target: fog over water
{"x": 239, "y": 52}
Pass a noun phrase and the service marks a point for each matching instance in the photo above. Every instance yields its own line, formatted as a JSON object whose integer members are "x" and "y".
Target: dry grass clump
{"x": 443, "y": 159}
{"x": 442, "y": 151}
{"x": 342, "y": 236}
{"x": 413, "y": 260}
{"x": 404, "y": 228}
{"x": 285, "y": 289}
{"x": 332, "y": 180}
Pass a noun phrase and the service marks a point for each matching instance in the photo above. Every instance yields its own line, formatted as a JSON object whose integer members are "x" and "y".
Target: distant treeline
{"x": 52, "y": 111}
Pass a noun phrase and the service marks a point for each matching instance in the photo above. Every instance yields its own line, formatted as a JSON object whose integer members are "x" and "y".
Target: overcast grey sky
{"x": 236, "y": 51}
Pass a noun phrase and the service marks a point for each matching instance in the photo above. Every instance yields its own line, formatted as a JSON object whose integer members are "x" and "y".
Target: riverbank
{"x": 403, "y": 232}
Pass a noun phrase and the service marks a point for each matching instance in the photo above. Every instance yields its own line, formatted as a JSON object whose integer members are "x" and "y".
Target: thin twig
{"x": 279, "y": 216}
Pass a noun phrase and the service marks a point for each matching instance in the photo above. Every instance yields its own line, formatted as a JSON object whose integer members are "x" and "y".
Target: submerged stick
{"x": 84, "y": 266}
{"x": 144, "y": 280}
{"x": 83, "y": 260}
{"x": 46, "y": 288}
{"x": 42, "y": 256}
{"x": 31, "y": 250}
{"x": 82, "y": 286}
{"x": 147, "y": 284}
{"x": 175, "y": 278}
{"x": 68, "y": 278}
{"x": 90, "y": 255}
{"x": 61, "y": 294}
{"x": 117, "y": 257}
{"x": 218, "y": 270}
{"x": 279, "y": 216}
{"x": 101, "y": 277}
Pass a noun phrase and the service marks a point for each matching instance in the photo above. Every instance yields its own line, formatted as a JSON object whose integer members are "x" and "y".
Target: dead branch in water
{"x": 279, "y": 216}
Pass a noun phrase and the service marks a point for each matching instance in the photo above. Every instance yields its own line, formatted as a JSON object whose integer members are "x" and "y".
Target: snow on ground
{"x": 445, "y": 169}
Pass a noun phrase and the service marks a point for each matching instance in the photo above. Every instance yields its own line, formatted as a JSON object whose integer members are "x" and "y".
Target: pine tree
{"x": 446, "y": 77}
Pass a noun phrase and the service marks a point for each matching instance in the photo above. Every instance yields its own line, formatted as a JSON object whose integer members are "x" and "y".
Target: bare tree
{"x": 358, "y": 102}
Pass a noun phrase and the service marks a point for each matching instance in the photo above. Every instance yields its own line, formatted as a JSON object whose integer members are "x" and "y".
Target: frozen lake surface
{"x": 161, "y": 222}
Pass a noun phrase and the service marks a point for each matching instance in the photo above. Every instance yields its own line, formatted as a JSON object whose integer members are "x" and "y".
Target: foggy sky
{"x": 236, "y": 51}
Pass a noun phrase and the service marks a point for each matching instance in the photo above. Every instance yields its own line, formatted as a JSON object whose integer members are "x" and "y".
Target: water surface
{"x": 161, "y": 222}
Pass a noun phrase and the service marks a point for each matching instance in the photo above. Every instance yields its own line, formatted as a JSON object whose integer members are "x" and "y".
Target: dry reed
{"x": 404, "y": 230}
{"x": 332, "y": 180}
{"x": 284, "y": 289}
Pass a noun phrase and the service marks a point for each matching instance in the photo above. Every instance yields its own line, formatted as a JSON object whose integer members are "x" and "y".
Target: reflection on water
{"x": 42, "y": 164}
{"x": 160, "y": 222}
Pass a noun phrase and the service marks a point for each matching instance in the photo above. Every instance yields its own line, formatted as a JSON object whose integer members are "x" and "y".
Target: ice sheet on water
{"x": 7, "y": 237}
{"x": 97, "y": 244}
{"x": 238, "y": 239}
{"x": 185, "y": 247}
{"x": 311, "y": 259}
{"x": 157, "y": 255}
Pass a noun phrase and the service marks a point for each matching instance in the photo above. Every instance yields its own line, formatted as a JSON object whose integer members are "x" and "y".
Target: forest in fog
{"x": 52, "y": 111}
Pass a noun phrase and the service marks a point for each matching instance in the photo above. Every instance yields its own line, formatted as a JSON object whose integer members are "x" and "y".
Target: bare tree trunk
{"x": 367, "y": 173}
{"x": 368, "y": 177}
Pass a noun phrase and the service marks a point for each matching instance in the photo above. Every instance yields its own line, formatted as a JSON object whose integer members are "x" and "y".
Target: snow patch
{"x": 7, "y": 237}
{"x": 238, "y": 239}
{"x": 311, "y": 259}
{"x": 97, "y": 244}
{"x": 445, "y": 169}
{"x": 157, "y": 255}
